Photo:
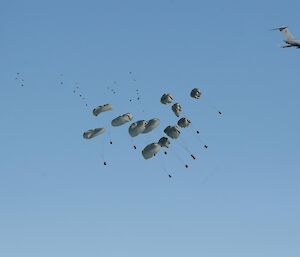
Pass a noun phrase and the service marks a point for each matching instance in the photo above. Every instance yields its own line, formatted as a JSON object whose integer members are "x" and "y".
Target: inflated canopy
{"x": 151, "y": 125}
{"x": 93, "y": 133}
{"x": 137, "y": 128}
{"x": 164, "y": 142}
{"x": 121, "y": 119}
{"x": 176, "y": 108}
{"x": 172, "y": 132}
{"x": 183, "y": 122}
{"x": 102, "y": 108}
{"x": 166, "y": 98}
{"x": 195, "y": 93}
{"x": 151, "y": 150}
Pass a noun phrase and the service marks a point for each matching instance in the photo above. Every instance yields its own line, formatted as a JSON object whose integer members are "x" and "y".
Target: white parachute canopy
{"x": 176, "y": 108}
{"x": 183, "y": 122}
{"x": 151, "y": 150}
{"x": 151, "y": 125}
{"x": 166, "y": 98}
{"x": 196, "y": 93}
{"x": 122, "y": 119}
{"x": 102, "y": 108}
{"x": 93, "y": 133}
{"x": 172, "y": 132}
{"x": 137, "y": 128}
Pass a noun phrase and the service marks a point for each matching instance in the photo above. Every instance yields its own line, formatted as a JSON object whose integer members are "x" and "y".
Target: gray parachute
{"x": 196, "y": 93}
{"x": 143, "y": 126}
{"x": 166, "y": 98}
{"x": 102, "y": 108}
{"x": 137, "y": 128}
{"x": 164, "y": 142}
{"x": 151, "y": 150}
{"x": 151, "y": 125}
{"x": 93, "y": 133}
{"x": 183, "y": 122}
{"x": 172, "y": 132}
{"x": 176, "y": 108}
{"x": 121, "y": 119}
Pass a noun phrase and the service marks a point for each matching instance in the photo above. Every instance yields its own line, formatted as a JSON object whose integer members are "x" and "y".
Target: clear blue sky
{"x": 239, "y": 199}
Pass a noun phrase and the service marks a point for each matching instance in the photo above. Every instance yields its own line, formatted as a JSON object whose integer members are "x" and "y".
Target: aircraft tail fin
{"x": 287, "y": 34}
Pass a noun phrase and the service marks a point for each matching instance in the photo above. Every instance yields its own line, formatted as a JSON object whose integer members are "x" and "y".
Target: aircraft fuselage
{"x": 293, "y": 42}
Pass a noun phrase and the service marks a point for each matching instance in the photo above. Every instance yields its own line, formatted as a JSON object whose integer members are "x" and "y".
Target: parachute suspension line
{"x": 213, "y": 107}
{"x": 210, "y": 174}
{"x": 216, "y": 109}
{"x": 186, "y": 149}
{"x": 141, "y": 106}
{"x": 112, "y": 91}
{"x": 197, "y": 136}
{"x": 183, "y": 144}
{"x": 136, "y": 97}
{"x": 132, "y": 143}
{"x": 163, "y": 166}
{"x": 177, "y": 156}
{"x": 102, "y": 147}
{"x": 196, "y": 130}
{"x": 144, "y": 138}
{"x": 192, "y": 126}
{"x": 113, "y": 88}
{"x": 77, "y": 91}
{"x": 196, "y": 133}
{"x": 109, "y": 136}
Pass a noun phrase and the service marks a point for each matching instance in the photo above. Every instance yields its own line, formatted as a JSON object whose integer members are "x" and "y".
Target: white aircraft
{"x": 289, "y": 38}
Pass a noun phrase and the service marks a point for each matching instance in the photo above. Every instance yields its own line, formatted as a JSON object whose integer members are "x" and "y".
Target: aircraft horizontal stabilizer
{"x": 280, "y": 28}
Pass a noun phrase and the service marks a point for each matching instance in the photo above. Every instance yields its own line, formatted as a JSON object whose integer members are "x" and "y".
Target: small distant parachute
{"x": 172, "y": 132}
{"x": 164, "y": 142}
{"x": 93, "y": 133}
{"x": 183, "y": 122}
{"x": 196, "y": 93}
{"x": 151, "y": 125}
{"x": 137, "y": 128}
{"x": 166, "y": 98}
{"x": 151, "y": 150}
{"x": 120, "y": 120}
{"x": 102, "y": 108}
{"x": 176, "y": 108}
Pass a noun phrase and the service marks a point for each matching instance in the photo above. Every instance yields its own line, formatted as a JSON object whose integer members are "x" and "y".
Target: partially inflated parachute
{"x": 172, "y": 132}
{"x": 176, "y": 108}
{"x": 164, "y": 142}
{"x": 166, "y": 98}
{"x": 121, "y": 119}
{"x": 183, "y": 122}
{"x": 151, "y": 150}
{"x": 151, "y": 125}
{"x": 137, "y": 128}
{"x": 102, "y": 108}
{"x": 196, "y": 93}
{"x": 93, "y": 133}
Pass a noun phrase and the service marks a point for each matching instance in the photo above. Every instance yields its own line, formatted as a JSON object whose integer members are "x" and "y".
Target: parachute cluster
{"x": 146, "y": 126}
{"x": 170, "y": 134}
